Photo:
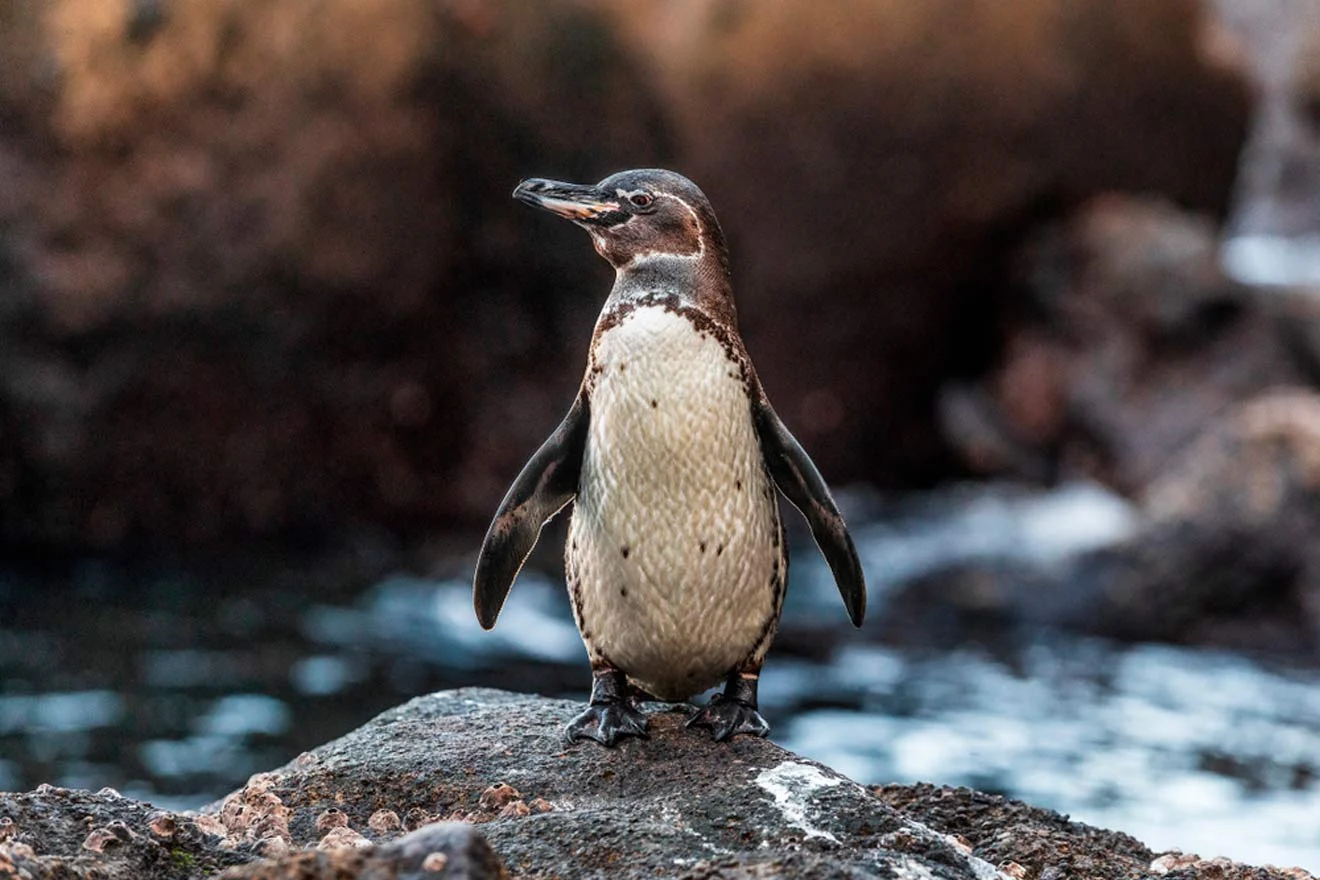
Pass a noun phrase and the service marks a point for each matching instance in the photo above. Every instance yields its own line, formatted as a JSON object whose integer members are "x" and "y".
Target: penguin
{"x": 670, "y": 455}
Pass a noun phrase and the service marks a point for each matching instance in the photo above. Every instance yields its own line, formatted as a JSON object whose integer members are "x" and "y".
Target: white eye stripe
{"x": 696, "y": 218}
{"x": 648, "y": 256}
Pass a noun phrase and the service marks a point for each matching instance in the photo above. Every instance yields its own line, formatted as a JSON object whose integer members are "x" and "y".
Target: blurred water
{"x": 1189, "y": 749}
{"x": 1274, "y": 228}
{"x": 1274, "y": 261}
{"x": 176, "y": 687}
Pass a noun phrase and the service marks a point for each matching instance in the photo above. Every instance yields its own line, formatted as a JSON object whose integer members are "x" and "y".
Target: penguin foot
{"x": 726, "y": 716}
{"x": 607, "y": 723}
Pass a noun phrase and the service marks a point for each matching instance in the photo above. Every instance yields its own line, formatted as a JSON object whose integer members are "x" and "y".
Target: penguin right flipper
{"x": 796, "y": 475}
{"x": 547, "y": 483}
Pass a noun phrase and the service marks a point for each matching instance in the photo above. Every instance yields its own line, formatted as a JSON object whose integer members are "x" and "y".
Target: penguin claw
{"x": 607, "y": 723}
{"x": 726, "y": 717}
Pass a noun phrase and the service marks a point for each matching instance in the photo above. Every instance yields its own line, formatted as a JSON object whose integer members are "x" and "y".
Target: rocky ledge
{"x": 477, "y": 783}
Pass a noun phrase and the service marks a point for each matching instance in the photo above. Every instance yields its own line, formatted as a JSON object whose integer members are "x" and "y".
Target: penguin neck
{"x": 700, "y": 282}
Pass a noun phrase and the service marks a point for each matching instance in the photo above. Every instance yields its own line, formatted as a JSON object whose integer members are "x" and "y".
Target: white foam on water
{"x": 993, "y": 522}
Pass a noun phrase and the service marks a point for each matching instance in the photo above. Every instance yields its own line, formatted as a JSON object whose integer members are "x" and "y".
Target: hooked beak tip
{"x": 526, "y": 192}
{"x": 572, "y": 201}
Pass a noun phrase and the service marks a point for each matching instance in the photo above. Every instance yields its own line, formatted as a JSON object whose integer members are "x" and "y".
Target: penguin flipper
{"x": 796, "y": 475}
{"x": 547, "y": 483}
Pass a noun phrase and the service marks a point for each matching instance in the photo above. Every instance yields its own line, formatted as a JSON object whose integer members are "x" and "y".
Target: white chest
{"x": 674, "y": 554}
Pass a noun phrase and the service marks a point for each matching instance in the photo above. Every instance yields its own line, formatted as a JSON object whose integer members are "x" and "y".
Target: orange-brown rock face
{"x": 259, "y": 272}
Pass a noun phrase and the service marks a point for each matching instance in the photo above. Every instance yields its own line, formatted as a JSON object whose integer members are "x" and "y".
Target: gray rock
{"x": 59, "y": 832}
{"x": 516, "y": 802}
{"x": 448, "y": 850}
{"x": 677, "y": 803}
{"x": 1138, "y": 343}
{"x": 1228, "y": 554}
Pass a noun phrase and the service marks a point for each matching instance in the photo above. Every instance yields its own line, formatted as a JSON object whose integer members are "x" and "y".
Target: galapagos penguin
{"x": 670, "y": 453}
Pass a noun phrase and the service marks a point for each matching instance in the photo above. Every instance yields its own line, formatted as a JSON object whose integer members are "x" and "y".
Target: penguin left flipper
{"x": 796, "y": 475}
{"x": 547, "y": 483}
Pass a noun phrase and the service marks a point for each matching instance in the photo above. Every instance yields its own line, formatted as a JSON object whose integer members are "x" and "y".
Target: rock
{"x": 1009, "y": 832}
{"x": 674, "y": 805}
{"x": 59, "y": 832}
{"x": 1228, "y": 555}
{"x": 262, "y": 277}
{"x": 1026, "y": 841}
{"x": 1134, "y": 344}
{"x": 1144, "y": 367}
{"x": 240, "y": 246}
{"x": 442, "y": 851}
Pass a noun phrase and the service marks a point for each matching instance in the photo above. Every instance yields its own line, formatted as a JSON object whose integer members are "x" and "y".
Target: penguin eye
{"x": 640, "y": 200}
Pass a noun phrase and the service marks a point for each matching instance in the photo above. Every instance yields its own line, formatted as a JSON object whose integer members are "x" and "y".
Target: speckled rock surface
{"x": 58, "y": 832}
{"x": 476, "y": 783}
{"x": 440, "y": 851}
{"x": 1028, "y": 842}
{"x": 676, "y": 804}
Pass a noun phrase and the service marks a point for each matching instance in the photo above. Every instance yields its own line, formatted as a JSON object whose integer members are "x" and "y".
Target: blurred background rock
{"x": 262, "y": 277}
{"x": 1034, "y": 282}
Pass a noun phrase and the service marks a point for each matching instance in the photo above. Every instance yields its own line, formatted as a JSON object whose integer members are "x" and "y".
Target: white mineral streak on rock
{"x": 980, "y": 868}
{"x": 910, "y": 869}
{"x": 791, "y": 785}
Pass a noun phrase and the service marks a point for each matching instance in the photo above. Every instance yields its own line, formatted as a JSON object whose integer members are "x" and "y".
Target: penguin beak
{"x": 581, "y": 203}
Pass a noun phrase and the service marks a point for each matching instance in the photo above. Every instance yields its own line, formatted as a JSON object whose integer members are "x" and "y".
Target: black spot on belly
{"x": 623, "y": 591}
{"x": 702, "y": 546}
{"x": 625, "y": 550}
{"x": 737, "y": 484}
{"x": 653, "y": 403}
{"x": 719, "y": 550}
{"x": 622, "y": 367}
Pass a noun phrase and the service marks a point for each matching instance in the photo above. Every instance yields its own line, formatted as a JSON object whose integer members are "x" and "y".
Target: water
{"x": 1273, "y": 260}
{"x": 175, "y": 687}
{"x": 1190, "y": 749}
{"x": 1274, "y": 230}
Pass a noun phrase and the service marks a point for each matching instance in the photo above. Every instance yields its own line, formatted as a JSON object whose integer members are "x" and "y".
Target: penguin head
{"x": 635, "y": 215}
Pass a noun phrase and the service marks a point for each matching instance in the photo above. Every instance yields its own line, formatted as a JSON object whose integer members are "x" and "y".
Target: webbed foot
{"x": 725, "y": 717}
{"x": 607, "y": 723}
{"x": 732, "y": 712}
{"x": 611, "y": 716}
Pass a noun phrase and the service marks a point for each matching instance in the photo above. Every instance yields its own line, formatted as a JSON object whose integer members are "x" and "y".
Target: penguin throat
{"x": 701, "y": 284}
